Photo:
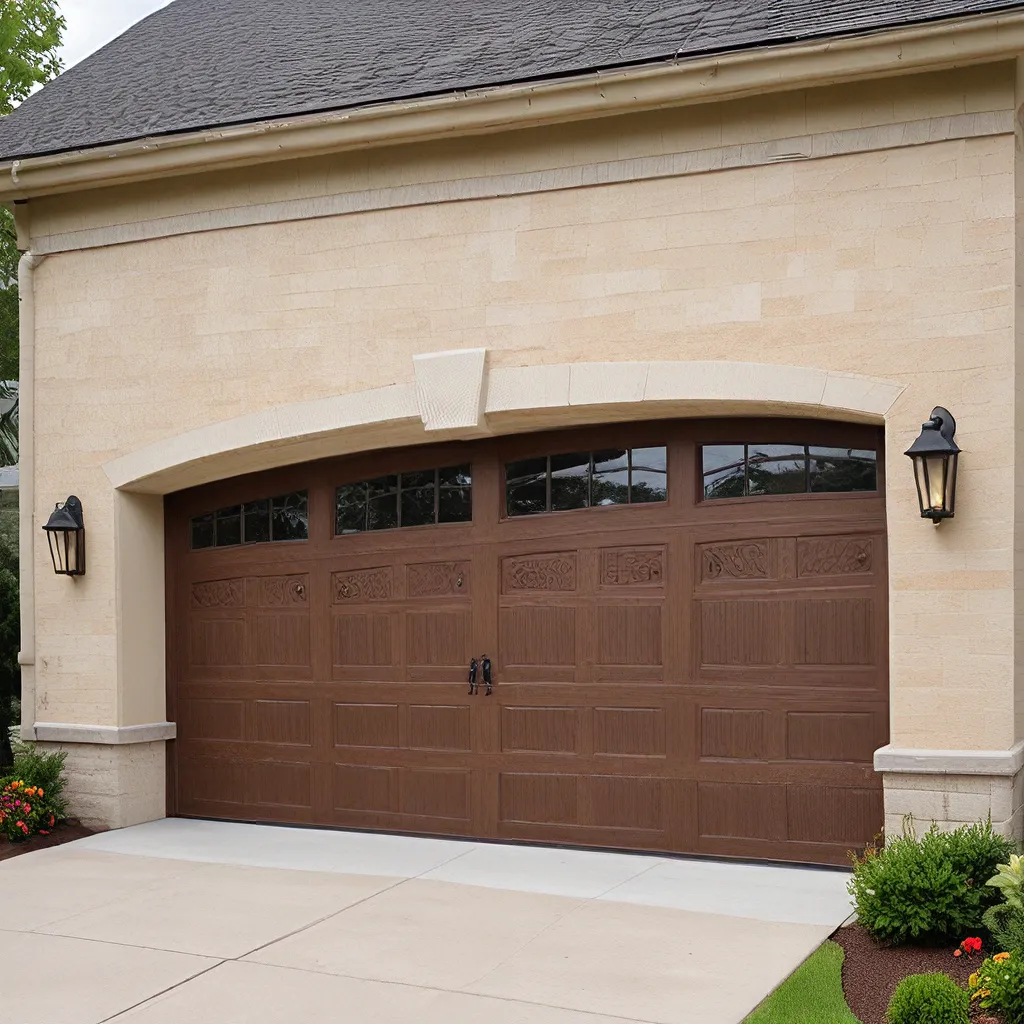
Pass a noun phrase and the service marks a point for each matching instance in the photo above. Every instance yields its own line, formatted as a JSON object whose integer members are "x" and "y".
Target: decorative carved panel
{"x": 743, "y": 560}
{"x": 834, "y": 556}
{"x": 363, "y": 585}
{"x": 218, "y": 594}
{"x": 439, "y": 579}
{"x": 631, "y": 567}
{"x": 284, "y": 591}
{"x": 539, "y": 572}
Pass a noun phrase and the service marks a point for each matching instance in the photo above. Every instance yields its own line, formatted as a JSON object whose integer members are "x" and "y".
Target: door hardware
{"x": 486, "y": 662}
{"x": 472, "y": 676}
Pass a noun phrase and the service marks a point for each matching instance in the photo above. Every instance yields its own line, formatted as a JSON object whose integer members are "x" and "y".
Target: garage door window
{"x": 420, "y": 498}
{"x": 285, "y": 517}
{"x": 612, "y": 476}
{"x": 752, "y": 470}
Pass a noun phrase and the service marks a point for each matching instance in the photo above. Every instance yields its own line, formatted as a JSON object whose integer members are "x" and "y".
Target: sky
{"x": 93, "y": 23}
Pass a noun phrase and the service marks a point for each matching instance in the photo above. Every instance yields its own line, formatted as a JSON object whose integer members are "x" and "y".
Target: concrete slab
{"x": 248, "y": 993}
{"x": 765, "y": 892}
{"x": 653, "y": 964}
{"x": 49, "y": 979}
{"x": 423, "y": 933}
{"x": 219, "y": 910}
{"x": 576, "y": 873}
{"x": 270, "y": 846}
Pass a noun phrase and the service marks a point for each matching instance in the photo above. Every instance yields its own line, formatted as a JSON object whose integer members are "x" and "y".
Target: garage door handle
{"x": 472, "y": 677}
{"x": 487, "y": 676}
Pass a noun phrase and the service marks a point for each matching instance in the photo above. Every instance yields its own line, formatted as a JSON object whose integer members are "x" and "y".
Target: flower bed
{"x": 32, "y": 804}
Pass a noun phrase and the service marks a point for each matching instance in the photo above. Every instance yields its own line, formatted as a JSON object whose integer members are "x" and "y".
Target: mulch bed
{"x": 65, "y": 833}
{"x": 871, "y": 972}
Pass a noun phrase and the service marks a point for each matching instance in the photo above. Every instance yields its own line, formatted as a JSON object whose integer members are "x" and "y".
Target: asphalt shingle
{"x": 207, "y": 63}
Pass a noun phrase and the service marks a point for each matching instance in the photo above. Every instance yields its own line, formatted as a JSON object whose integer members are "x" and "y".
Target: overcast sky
{"x": 93, "y": 23}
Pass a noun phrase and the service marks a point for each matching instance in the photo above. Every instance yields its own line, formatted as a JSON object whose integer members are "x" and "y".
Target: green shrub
{"x": 45, "y": 771}
{"x": 929, "y": 889}
{"x": 999, "y": 985}
{"x": 1005, "y": 923}
{"x": 929, "y": 999}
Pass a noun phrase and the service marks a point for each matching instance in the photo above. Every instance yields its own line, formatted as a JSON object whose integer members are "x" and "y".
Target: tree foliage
{"x": 30, "y": 34}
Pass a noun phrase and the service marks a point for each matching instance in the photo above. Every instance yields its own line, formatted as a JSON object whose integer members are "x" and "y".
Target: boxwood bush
{"x": 929, "y": 889}
{"x": 929, "y": 999}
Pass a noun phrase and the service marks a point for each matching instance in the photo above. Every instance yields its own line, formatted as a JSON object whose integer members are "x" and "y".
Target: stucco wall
{"x": 894, "y": 262}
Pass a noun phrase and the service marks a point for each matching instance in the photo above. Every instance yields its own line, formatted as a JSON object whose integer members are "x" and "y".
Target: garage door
{"x": 678, "y": 631}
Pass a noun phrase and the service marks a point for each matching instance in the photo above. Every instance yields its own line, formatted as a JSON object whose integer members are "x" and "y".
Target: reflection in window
{"x": 268, "y": 519}
{"x": 737, "y": 470}
{"x": 612, "y": 476}
{"x": 420, "y": 498}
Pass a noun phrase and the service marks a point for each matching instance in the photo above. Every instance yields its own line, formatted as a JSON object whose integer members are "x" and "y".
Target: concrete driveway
{"x": 214, "y": 922}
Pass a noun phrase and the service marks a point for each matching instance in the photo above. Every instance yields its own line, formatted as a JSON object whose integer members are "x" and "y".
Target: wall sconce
{"x": 65, "y": 531}
{"x": 934, "y": 455}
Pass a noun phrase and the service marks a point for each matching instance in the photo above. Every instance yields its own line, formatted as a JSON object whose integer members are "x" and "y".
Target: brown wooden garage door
{"x": 686, "y": 624}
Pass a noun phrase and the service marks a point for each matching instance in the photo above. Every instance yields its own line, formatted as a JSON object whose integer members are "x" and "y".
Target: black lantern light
{"x": 934, "y": 455}
{"x": 65, "y": 530}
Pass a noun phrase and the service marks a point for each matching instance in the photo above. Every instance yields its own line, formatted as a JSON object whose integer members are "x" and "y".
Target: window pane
{"x": 649, "y": 475}
{"x": 843, "y": 469}
{"x": 776, "y": 469}
{"x": 350, "y": 509}
{"x": 526, "y": 487}
{"x": 289, "y": 517}
{"x": 418, "y": 505}
{"x": 724, "y": 470}
{"x": 570, "y": 481}
{"x": 421, "y": 478}
{"x": 202, "y": 531}
{"x": 455, "y": 505}
{"x": 610, "y": 485}
{"x": 257, "y": 521}
{"x": 455, "y": 498}
{"x": 460, "y": 476}
{"x": 229, "y": 526}
{"x": 383, "y": 504}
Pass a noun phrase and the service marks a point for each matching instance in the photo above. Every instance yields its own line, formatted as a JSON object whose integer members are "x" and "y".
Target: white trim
{"x": 912, "y": 761}
{"x": 67, "y": 732}
{"x": 643, "y": 168}
{"x": 642, "y": 390}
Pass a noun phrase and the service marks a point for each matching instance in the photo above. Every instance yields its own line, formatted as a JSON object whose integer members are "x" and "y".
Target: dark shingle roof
{"x": 205, "y": 63}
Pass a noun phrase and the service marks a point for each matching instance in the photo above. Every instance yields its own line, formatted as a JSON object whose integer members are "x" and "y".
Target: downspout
{"x": 27, "y": 489}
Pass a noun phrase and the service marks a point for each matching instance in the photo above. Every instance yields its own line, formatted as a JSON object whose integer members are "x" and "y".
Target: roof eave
{"x": 934, "y": 46}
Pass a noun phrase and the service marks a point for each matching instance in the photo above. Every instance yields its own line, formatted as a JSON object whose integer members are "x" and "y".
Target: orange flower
{"x": 41, "y": 791}
{"x": 1000, "y": 957}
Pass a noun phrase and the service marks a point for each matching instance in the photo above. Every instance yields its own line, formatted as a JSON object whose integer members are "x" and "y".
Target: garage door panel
{"x": 834, "y": 735}
{"x": 539, "y": 798}
{"x": 835, "y": 631}
{"x": 438, "y": 727}
{"x": 538, "y": 636}
{"x": 743, "y": 633}
{"x": 366, "y": 725}
{"x": 280, "y": 784}
{"x": 826, "y": 557}
{"x": 737, "y": 810}
{"x": 435, "y": 793}
{"x": 556, "y": 730}
{"x": 738, "y": 734}
{"x": 635, "y": 732}
{"x": 283, "y": 722}
{"x": 629, "y": 635}
{"x": 549, "y": 572}
{"x": 610, "y": 801}
{"x": 833, "y": 814}
{"x": 435, "y": 639}
{"x": 217, "y": 643}
{"x": 212, "y": 719}
{"x": 362, "y": 639}
{"x": 365, "y": 788}
{"x": 281, "y": 641}
{"x": 633, "y": 569}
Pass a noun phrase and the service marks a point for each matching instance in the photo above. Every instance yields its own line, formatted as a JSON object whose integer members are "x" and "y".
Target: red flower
{"x": 969, "y": 945}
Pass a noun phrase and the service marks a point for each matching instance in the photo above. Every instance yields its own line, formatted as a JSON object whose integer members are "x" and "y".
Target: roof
{"x": 196, "y": 64}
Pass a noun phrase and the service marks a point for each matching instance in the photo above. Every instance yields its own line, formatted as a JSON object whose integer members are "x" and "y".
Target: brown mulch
{"x": 65, "y": 833}
{"x": 871, "y": 972}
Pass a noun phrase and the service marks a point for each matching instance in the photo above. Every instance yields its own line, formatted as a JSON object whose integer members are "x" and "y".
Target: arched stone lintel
{"x": 503, "y": 400}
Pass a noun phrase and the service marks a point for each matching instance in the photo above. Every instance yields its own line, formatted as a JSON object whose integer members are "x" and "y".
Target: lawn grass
{"x": 812, "y": 994}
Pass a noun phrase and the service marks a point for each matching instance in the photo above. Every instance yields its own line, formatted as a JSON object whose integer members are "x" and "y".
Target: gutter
{"x": 26, "y": 491}
{"x": 931, "y": 47}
